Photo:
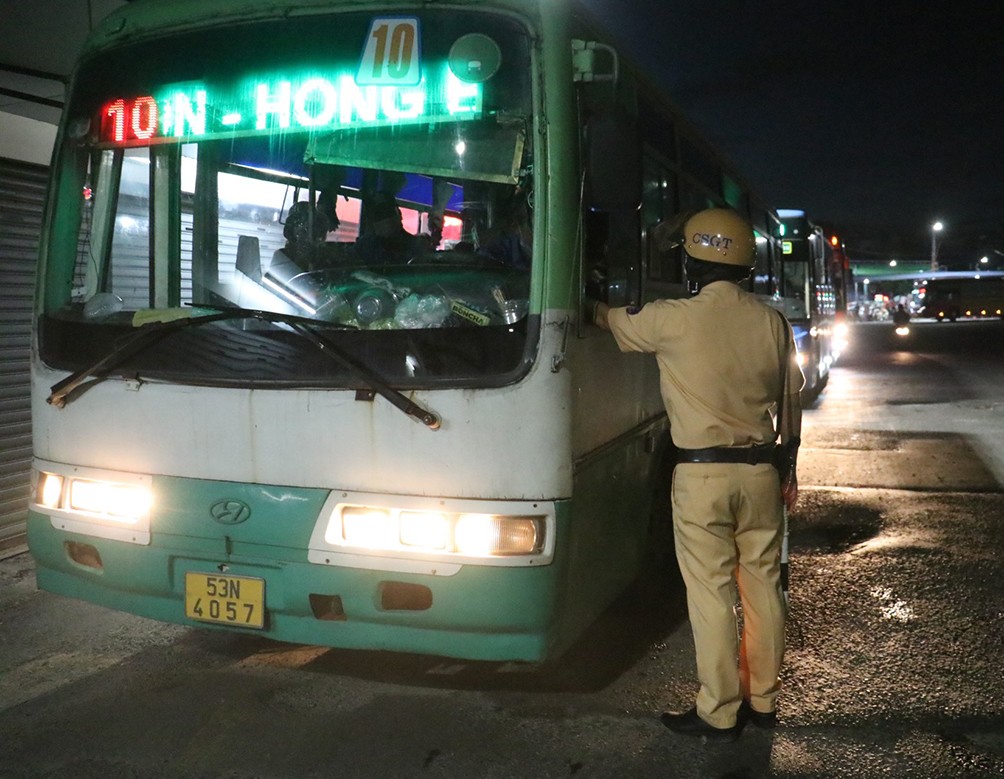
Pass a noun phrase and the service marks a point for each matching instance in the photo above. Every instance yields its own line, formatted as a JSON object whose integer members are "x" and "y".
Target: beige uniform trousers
{"x": 728, "y": 524}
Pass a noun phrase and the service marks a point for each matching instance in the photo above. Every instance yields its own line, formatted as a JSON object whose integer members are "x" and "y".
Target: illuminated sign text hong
{"x": 192, "y": 111}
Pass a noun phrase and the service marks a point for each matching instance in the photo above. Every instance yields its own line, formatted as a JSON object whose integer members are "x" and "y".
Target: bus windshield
{"x": 365, "y": 171}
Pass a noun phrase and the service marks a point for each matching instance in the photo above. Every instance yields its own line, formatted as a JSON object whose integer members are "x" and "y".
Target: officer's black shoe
{"x": 690, "y": 724}
{"x": 766, "y": 720}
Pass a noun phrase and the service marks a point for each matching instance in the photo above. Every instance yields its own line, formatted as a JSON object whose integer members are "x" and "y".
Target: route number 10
{"x": 391, "y": 55}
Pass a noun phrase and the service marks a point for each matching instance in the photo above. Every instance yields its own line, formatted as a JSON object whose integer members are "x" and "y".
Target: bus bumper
{"x": 478, "y": 613}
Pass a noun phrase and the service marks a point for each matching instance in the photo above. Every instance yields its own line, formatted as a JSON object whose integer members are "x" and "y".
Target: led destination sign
{"x": 194, "y": 111}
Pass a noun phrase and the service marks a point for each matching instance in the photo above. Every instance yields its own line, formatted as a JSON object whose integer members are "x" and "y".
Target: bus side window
{"x": 594, "y": 256}
{"x": 664, "y": 262}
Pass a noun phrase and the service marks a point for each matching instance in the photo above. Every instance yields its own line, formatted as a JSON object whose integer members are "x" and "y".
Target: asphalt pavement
{"x": 893, "y": 668}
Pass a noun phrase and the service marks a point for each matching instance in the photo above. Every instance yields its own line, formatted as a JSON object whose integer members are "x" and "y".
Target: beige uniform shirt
{"x": 719, "y": 356}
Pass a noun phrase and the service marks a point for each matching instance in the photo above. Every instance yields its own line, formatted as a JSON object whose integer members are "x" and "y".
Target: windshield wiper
{"x": 66, "y": 390}
{"x": 76, "y": 383}
{"x": 373, "y": 380}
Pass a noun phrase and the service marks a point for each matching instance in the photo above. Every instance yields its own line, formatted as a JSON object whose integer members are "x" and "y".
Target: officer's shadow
{"x": 747, "y": 758}
{"x": 653, "y": 607}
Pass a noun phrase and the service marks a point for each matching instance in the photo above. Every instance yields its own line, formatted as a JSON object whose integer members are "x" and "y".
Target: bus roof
{"x": 144, "y": 17}
{"x": 941, "y": 275}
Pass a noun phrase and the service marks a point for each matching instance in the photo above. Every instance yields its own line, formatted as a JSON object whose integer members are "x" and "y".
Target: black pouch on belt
{"x": 784, "y": 458}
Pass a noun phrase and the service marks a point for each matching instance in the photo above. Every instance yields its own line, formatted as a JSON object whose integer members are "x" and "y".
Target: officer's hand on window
{"x": 596, "y": 313}
{"x": 596, "y": 283}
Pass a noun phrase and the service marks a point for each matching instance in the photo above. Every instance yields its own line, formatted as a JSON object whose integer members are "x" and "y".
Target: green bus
{"x": 813, "y": 295}
{"x": 308, "y": 357}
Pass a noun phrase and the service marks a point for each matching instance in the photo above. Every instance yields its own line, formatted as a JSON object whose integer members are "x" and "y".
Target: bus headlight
{"x": 841, "y": 339}
{"x": 101, "y": 500}
{"x": 50, "y": 490}
{"x": 365, "y": 527}
{"x": 119, "y": 502}
{"x": 484, "y": 534}
{"x": 457, "y": 531}
{"x": 470, "y": 535}
{"x": 430, "y": 530}
{"x": 99, "y": 503}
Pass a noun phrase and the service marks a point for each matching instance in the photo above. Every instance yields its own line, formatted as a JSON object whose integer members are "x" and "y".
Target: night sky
{"x": 877, "y": 117}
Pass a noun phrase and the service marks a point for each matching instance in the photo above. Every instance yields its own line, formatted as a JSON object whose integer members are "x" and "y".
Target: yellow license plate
{"x": 227, "y": 600}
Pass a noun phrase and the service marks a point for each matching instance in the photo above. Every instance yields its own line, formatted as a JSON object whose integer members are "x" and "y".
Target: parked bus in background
{"x": 813, "y": 290}
{"x": 308, "y": 357}
{"x": 958, "y": 295}
{"x": 842, "y": 280}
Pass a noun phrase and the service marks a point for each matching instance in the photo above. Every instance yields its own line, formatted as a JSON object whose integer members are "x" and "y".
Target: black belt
{"x": 751, "y": 455}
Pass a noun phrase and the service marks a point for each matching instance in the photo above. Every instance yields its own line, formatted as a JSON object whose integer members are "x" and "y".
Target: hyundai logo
{"x": 230, "y": 512}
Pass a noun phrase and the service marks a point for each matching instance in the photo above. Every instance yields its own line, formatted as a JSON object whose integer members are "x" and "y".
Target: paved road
{"x": 893, "y": 668}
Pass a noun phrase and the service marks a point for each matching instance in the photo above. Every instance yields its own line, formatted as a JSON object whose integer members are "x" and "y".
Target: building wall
{"x": 26, "y": 140}
{"x": 25, "y": 150}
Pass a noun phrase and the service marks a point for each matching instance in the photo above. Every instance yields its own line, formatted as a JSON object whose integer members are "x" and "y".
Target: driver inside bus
{"x": 511, "y": 242}
{"x": 303, "y": 232}
{"x": 385, "y": 241}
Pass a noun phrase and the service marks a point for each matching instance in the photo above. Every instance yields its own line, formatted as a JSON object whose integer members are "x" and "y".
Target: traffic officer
{"x": 722, "y": 356}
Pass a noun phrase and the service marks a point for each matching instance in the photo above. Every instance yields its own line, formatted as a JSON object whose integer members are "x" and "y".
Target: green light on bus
{"x": 305, "y": 102}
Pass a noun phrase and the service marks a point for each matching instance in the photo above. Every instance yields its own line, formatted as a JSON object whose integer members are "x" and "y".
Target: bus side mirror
{"x": 613, "y": 163}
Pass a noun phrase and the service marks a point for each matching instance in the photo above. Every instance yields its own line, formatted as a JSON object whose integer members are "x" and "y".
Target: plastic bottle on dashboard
{"x": 335, "y": 309}
{"x": 374, "y": 304}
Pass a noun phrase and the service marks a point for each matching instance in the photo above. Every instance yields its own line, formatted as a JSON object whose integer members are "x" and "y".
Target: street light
{"x": 936, "y": 228}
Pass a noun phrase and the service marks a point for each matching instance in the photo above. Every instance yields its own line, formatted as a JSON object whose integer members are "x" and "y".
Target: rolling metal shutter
{"x": 22, "y": 193}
